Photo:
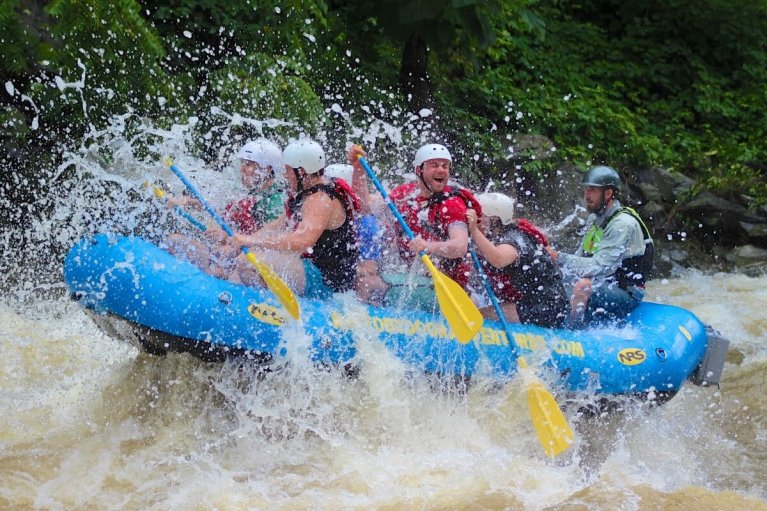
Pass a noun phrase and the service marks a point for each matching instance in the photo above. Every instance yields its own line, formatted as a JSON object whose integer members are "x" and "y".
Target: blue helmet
{"x": 603, "y": 177}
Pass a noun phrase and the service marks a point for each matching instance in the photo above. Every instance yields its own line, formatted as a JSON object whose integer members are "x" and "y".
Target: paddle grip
{"x": 160, "y": 194}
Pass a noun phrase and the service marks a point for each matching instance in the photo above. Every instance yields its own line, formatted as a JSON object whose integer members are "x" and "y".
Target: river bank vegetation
{"x": 524, "y": 86}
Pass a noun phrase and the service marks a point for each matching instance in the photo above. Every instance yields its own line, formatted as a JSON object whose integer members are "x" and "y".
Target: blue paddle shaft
{"x": 208, "y": 208}
{"x": 491, "y": 294}
{"x": 180, "y": 211}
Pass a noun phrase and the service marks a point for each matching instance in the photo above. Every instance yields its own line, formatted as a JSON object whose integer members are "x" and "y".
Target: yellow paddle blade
{"x": 277, "y": 286}
{"x": 462, "y": 315}
{"x": 158, "y": 192}
{"x": 554, "y": 432}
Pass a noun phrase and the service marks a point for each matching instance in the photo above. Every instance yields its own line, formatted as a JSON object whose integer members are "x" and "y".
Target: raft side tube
{"x": 654, "y": 350}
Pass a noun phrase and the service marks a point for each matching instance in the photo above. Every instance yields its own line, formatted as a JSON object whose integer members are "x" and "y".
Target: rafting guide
{"x": 615, "y": 258}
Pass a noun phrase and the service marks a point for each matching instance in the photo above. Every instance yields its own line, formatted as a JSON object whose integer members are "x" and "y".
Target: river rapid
{"x": 88, "y": 422}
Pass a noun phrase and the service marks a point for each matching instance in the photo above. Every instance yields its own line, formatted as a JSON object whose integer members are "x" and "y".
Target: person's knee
{"x": 508, "y": 309}
{"x": 371, "y": 289}
{"x": 367, "y": 269}
{"x": 175, "y": 242}
{"x": 582, "y": 291}
{"x": 247, "y": 274}
{"x": 175, "y": 237}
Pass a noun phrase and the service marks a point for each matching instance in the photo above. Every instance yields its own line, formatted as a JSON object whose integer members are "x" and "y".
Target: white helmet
{"x": 264, "y": 152}
{"x": 497, "y": 204}
{"x": 340, "y": 170}
{"x": 306, "y": 154}
{"x": 431, "y": 152}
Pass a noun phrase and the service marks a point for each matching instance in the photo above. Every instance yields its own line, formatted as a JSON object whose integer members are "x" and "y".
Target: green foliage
{"x": 632, "y": 84}
{"x": 669, "y": 83}
{"x": 109, "y": 46}
{"x": 13, "y": 123}
{"x": 205, "y": 34}
{"x": 17, "y": 42}
{"x": 260, "y": 87}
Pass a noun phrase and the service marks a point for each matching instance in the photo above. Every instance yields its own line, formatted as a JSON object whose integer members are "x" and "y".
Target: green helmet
{"x": 602, "y": 176}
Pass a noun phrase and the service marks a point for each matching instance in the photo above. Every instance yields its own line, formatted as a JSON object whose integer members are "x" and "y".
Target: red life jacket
{"x": 240, "y": 213}
{"x": 527, "y": 227}
{"x": 432, "y": 227}
{"x": 501, "y": 283}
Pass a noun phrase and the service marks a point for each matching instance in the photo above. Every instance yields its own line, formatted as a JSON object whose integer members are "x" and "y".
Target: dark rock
{"x": 708, "y": 202}
{"x": 526, "y": 147}
{"x": 551, "y": 197}
{"x": 653, "y": 213}
{"x": 755, "y": 232}
{"x": 748, "y": 254}
{"x": 749, "y": 259}
{"x": 660, "y": 185}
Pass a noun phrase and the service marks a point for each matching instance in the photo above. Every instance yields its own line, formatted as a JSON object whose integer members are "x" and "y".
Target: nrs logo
{"x": 631, "y": 356}
{"x": 266, "y": 314}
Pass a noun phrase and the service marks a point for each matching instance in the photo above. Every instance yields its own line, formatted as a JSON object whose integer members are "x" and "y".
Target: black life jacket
{"x": 336, "y": 252}
{"x": 534, "y": 274}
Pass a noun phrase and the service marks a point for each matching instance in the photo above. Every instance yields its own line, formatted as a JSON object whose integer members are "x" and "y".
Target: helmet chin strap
{"x": 299, "y": 180}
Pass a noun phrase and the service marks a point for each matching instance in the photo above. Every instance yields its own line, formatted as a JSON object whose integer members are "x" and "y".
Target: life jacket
{"x": 251, "y": 213}
{"x": 633, "y": 270}
{"x": 526, "y": 226}
{"x": 336, "y": 252}
{"x": 503, "y": 287}
{"x": 458, "y": 269}
{"x": 240, "y": 213}
{"x": 534, "y": 274}
{"x": 438, "y": 198}
{"x": 533, "y": 282}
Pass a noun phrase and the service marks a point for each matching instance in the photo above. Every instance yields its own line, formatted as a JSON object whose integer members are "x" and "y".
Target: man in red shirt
{"x": 436, "y": 213}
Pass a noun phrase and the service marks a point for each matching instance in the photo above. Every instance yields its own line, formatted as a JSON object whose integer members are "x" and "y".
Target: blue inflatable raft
{"x": 138, "y": 292}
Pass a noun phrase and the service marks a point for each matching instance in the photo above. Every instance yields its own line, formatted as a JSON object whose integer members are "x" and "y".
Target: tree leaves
{"x": 661, "y": 82}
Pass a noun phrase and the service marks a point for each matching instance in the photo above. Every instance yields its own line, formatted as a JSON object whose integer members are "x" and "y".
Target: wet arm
{"x": 360, "y": 187}
{"x": 268, "y": 230}
{"x": 456, "y": 245}
{"x": 500, "y": 256}
{"x": 316, "y": 213}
